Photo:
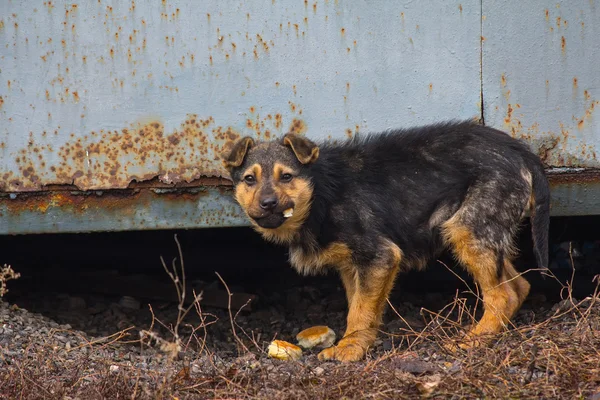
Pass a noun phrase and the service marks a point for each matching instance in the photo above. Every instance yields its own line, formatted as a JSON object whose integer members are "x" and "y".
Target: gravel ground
{"x": 88, "y": 346}
{"x": 65, "y": 335}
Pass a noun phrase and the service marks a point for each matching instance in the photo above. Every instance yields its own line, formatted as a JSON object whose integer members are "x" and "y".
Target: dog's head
{"x": 272, "y": 182}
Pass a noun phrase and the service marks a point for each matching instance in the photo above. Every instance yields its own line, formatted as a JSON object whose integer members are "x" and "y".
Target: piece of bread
{"x": 322, "y": 336}
{"x": 288, "y": 213}
{"x": 283, "y": 350}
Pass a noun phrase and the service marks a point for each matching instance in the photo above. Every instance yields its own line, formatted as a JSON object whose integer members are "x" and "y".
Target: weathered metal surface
{"x": 575, "y": 192}
{"x": 139, "y": 208}
{"x": 102, "y": 93}
{"x": 540, "y": 77}
{"x": 200, "y": 204}
{"x": 113, "y": 114}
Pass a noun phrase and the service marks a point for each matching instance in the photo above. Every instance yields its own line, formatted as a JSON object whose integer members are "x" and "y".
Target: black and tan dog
{"x": 388, "y": 202}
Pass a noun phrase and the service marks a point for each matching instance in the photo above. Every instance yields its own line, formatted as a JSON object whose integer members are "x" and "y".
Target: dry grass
{"x": 555, "y": 354}
{"x": 6, "y": 274}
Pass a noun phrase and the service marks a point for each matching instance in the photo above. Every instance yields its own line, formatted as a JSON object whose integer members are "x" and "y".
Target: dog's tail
{"x": 540, "y": 213}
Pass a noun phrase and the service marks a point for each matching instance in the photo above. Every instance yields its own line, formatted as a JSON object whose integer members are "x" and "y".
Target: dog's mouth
{"x": 274, "y": 219}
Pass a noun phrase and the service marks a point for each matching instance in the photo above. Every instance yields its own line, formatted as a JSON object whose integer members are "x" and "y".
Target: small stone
{"x": 113, "y": 368}
{"x": 196, "y": 369}
{"x": 318, "y": 371}
{"x": 60, "y": 338}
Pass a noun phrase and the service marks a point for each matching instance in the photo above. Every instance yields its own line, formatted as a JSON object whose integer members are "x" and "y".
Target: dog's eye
{"x": 286, "y": 177}
{"x": 249, "y": 179}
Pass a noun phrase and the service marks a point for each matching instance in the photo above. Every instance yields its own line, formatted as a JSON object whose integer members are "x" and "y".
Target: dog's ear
{"x": 306, "y": 151}
{"x": 235, "y": 157}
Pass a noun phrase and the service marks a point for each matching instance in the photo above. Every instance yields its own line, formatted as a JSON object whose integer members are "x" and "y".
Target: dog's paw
{"x": 344, "y": 352}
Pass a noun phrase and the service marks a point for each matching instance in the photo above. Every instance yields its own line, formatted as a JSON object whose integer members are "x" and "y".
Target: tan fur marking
{"x": 305, "y": 153}
{"x": 300, "y": 192}
{"x": 501, "y": 297}
{"x": 349, "y": 280}
{"x": 367, "y": 299}
{"x": 246, "y": 195}
{"x": 528, "y": 178}
{"x": 280, "y": 169}
{"x": 336, "y": 254}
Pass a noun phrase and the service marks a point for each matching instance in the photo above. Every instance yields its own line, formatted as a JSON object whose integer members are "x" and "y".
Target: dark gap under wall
{"x": 63, "y": 262}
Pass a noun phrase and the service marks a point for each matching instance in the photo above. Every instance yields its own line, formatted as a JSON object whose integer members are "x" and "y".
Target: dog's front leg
{"x": 367, "y": 291}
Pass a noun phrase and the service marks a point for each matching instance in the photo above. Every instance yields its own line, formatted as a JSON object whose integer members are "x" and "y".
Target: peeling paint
{"x": 551, "y": 104}
{"x": 104, "y": 96}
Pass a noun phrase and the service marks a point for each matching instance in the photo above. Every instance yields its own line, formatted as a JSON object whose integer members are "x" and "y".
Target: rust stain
{"x": 1, "y": 102}
{"x": 122, "y": 201}
{"x": 547, "y": 15}
{"x": 343, "y": 31}
{"x": 298, "y": 126}
{"x": 278, "y": 121}
{"x": 460, "y": 8}
{"x": 563, "y": 44}
{"x": 503, "y": 80}
{"x": 430, "y": 87}
{"x": 555, "y": 149}
{"x": 583, "y": 177}
{"x": 113, "y": 159}
{"x": 509, "y": 111}
{"x": 575, "y": 82}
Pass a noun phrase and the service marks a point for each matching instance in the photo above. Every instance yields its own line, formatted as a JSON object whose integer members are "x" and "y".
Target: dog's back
{"x": 406, "y": 184}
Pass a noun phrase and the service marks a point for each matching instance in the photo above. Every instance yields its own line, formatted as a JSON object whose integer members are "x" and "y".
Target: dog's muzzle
{"x": 273, "y": 219}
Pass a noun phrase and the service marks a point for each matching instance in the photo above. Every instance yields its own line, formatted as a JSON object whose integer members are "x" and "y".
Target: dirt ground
{"x": 72, "y": 341}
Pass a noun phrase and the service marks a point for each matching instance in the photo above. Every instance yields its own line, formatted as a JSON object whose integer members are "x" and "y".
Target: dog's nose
{"x": 268, "y": 203}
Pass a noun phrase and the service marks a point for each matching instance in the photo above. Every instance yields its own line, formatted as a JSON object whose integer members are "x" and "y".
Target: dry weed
{"x": 554, "y": 354}
{"x": 6, "y": 274}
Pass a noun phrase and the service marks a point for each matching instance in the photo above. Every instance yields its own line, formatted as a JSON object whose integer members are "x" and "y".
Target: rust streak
{"x": 113, "y": 159}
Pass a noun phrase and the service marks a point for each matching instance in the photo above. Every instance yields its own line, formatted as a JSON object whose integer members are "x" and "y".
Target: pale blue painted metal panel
{"x": 102, "y": 93}
{"x": 541, "y": 80}
{"x": 118, "y": 210}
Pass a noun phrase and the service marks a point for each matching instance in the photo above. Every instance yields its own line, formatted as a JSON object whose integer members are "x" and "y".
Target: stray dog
{"x": 392, "y": 201}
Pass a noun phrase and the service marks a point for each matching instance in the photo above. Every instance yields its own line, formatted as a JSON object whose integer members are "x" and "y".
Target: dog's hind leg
{"x": 503, "y": 290}
{"x": 367, "y": 290}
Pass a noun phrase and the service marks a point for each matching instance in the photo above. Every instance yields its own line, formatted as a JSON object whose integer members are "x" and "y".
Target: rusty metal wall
{"x": 113, "y": 113}
{"x": 541, "y": 76}
{"x": 101, "y": 94}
